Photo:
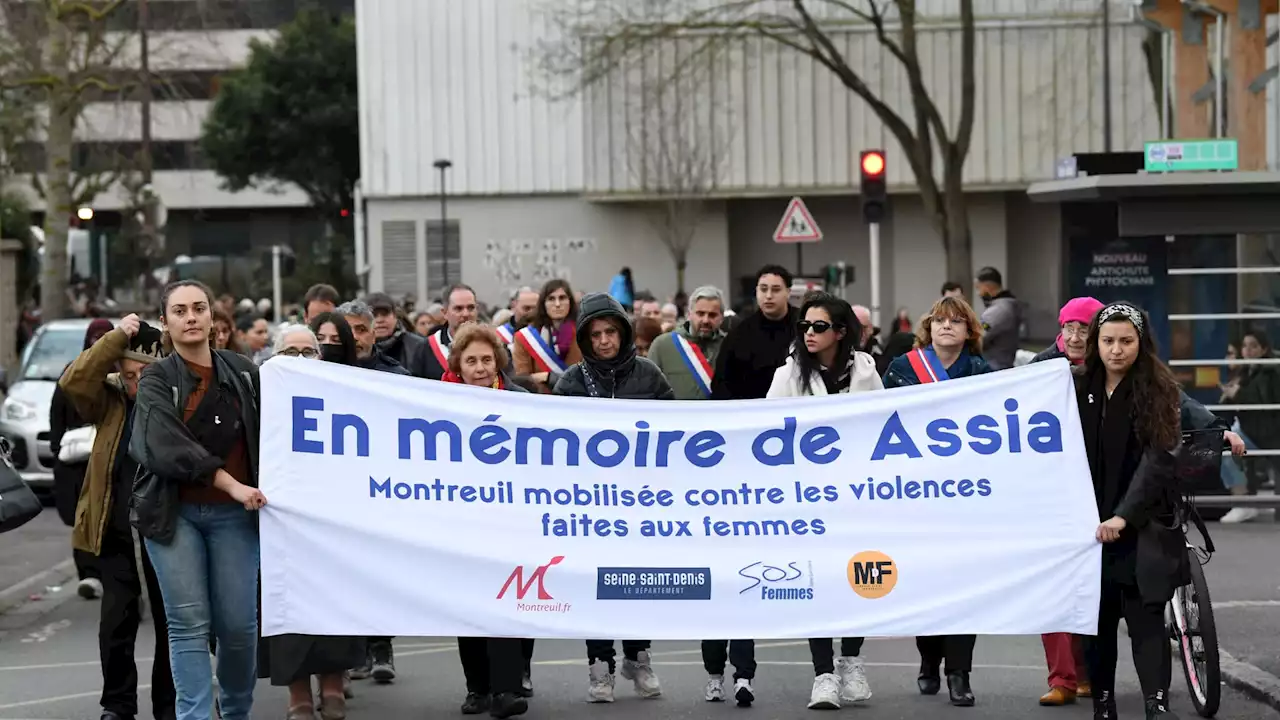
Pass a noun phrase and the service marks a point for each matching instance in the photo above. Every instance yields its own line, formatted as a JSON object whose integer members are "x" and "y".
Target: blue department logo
{"x": 635, "y": 583}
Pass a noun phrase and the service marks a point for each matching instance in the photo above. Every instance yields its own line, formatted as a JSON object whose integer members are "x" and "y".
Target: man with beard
{"x": 760, "y": 343}
{"x": 687, "y": 354}
{"x": 370, "y": 356}
{"x": 392, "y": 340}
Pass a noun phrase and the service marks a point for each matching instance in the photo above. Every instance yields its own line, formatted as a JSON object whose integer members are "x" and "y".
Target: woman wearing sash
{"x": 547, "y": 346}
{"x": 948, "y": 347}
{"x": 825, "y": 362}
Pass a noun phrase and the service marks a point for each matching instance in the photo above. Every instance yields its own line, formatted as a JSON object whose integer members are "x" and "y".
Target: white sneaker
{"x": 89, "y": 588}
{"x": 714, "y": 691}
{"x": 640, "y": 672}
{"x": 1240, "y": 515}
{"x": 853, "y": 680}
{"x": 743, "y": 693}
{"x": 601, "y": 688}
{"x": 826, "y": 693}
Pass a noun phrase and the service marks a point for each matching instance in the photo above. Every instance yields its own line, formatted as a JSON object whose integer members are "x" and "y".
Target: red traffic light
{"x": 873, "y": 163}
{"x": 345, "y": 212}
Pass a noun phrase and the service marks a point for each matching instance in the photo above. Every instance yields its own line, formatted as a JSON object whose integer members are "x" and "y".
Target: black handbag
{"x": 18, "y": 504}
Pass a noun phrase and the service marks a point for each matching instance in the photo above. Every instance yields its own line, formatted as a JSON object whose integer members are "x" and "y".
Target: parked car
{"x": 24, "y": 416}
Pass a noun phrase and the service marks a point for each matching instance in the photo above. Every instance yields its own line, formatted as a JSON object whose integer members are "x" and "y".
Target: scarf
{"x": 561, "y": 339}
{"x": 1107, "y": 425}
{"x": 450, "y": 377}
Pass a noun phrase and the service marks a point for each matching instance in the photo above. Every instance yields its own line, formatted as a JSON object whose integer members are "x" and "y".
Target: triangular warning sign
{"x": 797, "y": 225}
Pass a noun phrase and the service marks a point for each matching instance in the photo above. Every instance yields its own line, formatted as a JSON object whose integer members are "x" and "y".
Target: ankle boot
{"x": 928, "y": 681}
{"x": 1104, "y": 705}
{"x": 961, "y": 693}
{"x": 1158, "y": 707}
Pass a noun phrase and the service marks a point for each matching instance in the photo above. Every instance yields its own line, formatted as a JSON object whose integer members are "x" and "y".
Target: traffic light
{"x": 875, "y": 196}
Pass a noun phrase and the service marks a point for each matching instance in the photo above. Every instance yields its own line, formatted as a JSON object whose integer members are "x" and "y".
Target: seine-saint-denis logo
{"x": 521, "y": 586}
{"x": 872, "y": 574}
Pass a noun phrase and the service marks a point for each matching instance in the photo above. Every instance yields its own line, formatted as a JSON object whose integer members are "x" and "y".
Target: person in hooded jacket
{"x": 610, "y": 368}
{"x": 826, "y": 362}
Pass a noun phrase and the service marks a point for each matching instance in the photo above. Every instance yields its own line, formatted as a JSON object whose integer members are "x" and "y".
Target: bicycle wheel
{"x": 1193, "y": 629}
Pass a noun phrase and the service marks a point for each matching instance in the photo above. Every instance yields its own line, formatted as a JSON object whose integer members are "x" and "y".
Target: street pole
{"x": 443, "y": 166}
{"x": 1106, "y": 75}
{"x": 799, "y": 259}
{"x": 276, "y": 290}
{"x": 874, "y": 229}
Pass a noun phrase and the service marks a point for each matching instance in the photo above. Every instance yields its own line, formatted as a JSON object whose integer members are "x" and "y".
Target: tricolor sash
{"x": 439, "y": 349}
{"x": 544, "y": 356}
{"x": 506, "y": 332}
{"x": 697, "y": 363}
{"x": 927, "y": 366}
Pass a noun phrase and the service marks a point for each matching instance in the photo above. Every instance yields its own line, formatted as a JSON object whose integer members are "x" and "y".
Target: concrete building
{"x": 541, "y": 188}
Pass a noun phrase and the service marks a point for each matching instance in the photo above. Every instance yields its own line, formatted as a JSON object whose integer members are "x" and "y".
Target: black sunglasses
{"x": 819, "y": 326}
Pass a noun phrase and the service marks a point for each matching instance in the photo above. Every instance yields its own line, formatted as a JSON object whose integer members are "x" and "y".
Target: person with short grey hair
{"x": 696, "y": 341}
{"x": 359, "y": 316}
{"x": 293, "y": 340}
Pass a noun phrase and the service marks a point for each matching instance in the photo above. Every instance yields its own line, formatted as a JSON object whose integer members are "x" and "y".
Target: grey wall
{"x": 1035, "y": 261}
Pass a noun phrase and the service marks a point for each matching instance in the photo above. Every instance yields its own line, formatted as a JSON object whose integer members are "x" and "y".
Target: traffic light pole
{"x": 276, "y": 290}
{"x": 874, "y": 230}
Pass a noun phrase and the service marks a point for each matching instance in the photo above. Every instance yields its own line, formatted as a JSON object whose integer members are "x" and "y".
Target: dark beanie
{"x": 146, "y": 345}
{"x": 97, "y": 328}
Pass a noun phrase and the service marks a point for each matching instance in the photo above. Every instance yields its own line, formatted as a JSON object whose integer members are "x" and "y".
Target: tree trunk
{"x": 956, "y": 236}
{"x": 682, "y": 263}
{"x": 57, "y": 218}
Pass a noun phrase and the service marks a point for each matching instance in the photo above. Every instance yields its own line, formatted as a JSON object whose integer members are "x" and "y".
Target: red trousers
{"x": 1065, "y": 655}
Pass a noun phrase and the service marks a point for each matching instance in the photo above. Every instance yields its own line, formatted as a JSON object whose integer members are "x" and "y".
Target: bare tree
{"x": 593, "y": 38}
{"x": 677, "y": 146}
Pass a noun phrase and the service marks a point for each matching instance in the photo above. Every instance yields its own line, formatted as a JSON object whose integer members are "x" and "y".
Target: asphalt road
{"x": 30, "y": 550}
{"x": 49, "y": 668}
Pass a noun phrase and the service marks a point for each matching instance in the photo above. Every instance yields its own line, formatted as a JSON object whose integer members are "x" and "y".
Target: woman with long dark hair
{"x": 1130, "y": 413}
{"x": 548, "y": 345}
{"x": 825, "y": 361}
{"x": 337, "y": 341}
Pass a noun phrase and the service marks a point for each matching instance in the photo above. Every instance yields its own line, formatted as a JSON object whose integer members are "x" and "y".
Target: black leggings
{"x": 957, "y": 650}
{"x": 822, "y": 650}
{"x": 1151, "y": 654}
{"x": 491, "y": 665}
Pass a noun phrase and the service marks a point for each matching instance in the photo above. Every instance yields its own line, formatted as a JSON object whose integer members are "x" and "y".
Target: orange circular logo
{"x": 872, "y": 574}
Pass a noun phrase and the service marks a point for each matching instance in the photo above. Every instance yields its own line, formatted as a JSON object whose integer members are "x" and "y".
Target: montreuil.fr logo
{"x": 872, "y": 574}
{"x": 539, "y": 602}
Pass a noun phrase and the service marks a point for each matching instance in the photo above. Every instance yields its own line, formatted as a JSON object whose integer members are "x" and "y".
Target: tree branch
{"x": 968, "y": 82}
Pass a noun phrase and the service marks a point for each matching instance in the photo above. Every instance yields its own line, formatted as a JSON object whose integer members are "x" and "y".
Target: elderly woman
{"x": 292, "y": 659}
{"x": 493, "y": 666}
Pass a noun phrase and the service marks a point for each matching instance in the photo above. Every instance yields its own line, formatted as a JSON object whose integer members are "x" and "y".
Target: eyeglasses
{"x": 1081, "y": 333}
{"x": 308, "y": 353}
{"x": 818, "y": 326}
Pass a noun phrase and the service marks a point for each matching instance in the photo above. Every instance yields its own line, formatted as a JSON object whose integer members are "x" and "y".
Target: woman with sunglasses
{"x": 948, "y": 347}
{"x": 822, "y": 362}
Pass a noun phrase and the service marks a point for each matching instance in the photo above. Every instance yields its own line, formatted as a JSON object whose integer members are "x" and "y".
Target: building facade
{"x": 541, "y": 187}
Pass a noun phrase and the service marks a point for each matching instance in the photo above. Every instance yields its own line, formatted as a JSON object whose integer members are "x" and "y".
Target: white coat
{"x": 786, "y": 379}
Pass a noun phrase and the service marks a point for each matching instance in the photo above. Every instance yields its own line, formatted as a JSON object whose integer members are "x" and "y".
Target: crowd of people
{"x": 175, "y": 457}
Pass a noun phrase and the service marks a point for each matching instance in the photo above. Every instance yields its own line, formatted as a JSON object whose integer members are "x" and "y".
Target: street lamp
{"x": 85, "y": 213}
{"x": 443, "y": 166}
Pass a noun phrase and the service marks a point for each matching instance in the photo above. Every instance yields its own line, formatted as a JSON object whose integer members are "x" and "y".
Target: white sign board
{"x": 797, "y": 225}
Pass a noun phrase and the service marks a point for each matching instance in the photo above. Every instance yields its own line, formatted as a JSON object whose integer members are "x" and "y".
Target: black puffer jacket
{"x": 626, "y": 375}
{"x": 404, "y": 347}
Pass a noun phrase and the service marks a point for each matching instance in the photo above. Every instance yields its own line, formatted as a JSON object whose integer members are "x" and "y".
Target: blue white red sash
{"x": 697, "y": 363}
{"x": 544, "y": 356}
{"x": 438, "y": 348}
{"x": 927, "y": 366}
{"x": 506, "y": 332}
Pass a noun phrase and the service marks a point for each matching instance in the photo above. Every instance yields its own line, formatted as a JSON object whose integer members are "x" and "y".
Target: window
{"x": 444, "y": 256}
{"x": 399, "y": 257}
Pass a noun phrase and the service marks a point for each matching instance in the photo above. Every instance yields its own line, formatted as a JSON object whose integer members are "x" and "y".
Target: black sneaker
{"x": 526, "y": 685}
{"x": 1158, "y": 708}
{"x": 475, "y": 703}
{"x": 509, "y": 704}
{"x": 384, "y": 663}
{"x": 1104, "y": 705}
{"x": 365, "y": 668}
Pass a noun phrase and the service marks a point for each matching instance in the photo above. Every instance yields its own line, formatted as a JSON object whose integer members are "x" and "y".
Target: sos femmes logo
{"x": 872, "y": 574}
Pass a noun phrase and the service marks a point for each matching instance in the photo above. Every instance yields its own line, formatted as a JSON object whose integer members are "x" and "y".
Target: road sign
{"x": 1184, "y": 155}
{"x": 797, "y": 225}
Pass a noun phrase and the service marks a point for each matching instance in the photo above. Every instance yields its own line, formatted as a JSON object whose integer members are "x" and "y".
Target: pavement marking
{"x": 806, "y": 663}
{"x": 412, "y": 650}
{"x": 60, "y": 698}
{"x": 20, "y": 592}
{"x": 46, "y": 632}
{"x": 1245, "y": 604}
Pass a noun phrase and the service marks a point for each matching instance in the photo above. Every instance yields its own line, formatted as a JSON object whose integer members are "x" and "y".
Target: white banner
{"x": 400, "y": 506}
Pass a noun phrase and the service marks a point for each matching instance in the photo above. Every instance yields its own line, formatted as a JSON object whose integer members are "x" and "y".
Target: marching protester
{"x": 291, "y": 660}
{"x": 1001, "y": 320}
{"x": 494, "y": 667}
{"x": 524, "y": 308}
{"x": 1129, "y": 410}
{"x": 460, "y": 307}
{"x": 319, "y": 299}
{"x": 827, "y": 362}
{"x": 610, "y": 368}
{"x": 195, "y": 434}
{"x": 687, "y": 355}
{"x": 623, "y": 288}
{"x": 70, "y": 443}
{"x": 252, "y": 336}
{"x": 756, "y": 346}
{"x": 370, "y": 356}
{"x": 393, "y": 341}
{"x": 337, "y": 341}
{"x": 547, "y": 345}
{"x": 224, "y": 327}
{"x": 948, "y": 347}
{"x": 102, "y": 385}
{"x": 647, "y": 330}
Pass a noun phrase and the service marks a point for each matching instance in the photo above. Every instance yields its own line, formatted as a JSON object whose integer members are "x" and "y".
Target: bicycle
{"x": 1189, "y": 615}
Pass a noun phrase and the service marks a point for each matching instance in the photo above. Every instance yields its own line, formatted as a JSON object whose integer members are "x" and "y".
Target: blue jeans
{"x": 1232, "y": 475}
{"x": 208, "y": 577}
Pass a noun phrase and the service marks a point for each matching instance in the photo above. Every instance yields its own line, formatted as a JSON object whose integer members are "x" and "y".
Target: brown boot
{"x": 1084, "y": 689}
{"x": 1058, "y": 696}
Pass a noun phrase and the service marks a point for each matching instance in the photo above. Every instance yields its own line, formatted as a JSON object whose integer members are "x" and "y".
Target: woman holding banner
{"x": 547, "y": 346}
{"x": 1129, "y": 409}
{"x": 826, "y": 363}
{"x": 948, "y": 347}
{"x": 495, "y": 668}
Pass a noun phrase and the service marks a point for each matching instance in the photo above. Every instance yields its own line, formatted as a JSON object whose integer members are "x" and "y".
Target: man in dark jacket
{"x": 392, "y": 340}
{"x": 1001, "y": 320}
{"x": 758, "y": 345}
{"x": 610, "y": 368}
{"x": 369, "y": 355}
{"x": 460, "y": 307}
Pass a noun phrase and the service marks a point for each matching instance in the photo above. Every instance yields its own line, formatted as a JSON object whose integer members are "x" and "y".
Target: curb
{"x": 1250, "y": 680}
{"x": 19, "y": 594}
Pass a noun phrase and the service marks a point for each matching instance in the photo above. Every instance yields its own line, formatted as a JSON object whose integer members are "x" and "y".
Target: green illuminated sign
{"x": 1185, "y": 155}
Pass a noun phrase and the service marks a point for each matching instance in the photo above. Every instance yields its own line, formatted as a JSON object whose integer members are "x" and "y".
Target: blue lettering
{"x": 702, "y": 450}
{"x": 621, "y": 448}
{"x": 486, "y": 438}
{"x": 376, "y": 487}
{"x": 340, "y": 425}
{"x": 786, "y": 454}
{"x": 303, "y": 424}
{"x": 1045, "y": 435}
{"x": 984, "y": 487}
{"x": 942, "y": 432}
{"x": 894, "y": 440}
{"x": 403, "y": 491}
{"x": 1015, "y": 440}
{"x": 816, "y": 445}
{"x": 984, "y": 427}
{"x": 430, "y": 431}
{"x": 547, "y": 442}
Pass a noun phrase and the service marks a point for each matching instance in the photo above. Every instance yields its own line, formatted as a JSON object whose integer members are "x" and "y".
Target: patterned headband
{"x": 1126, "y": 312}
